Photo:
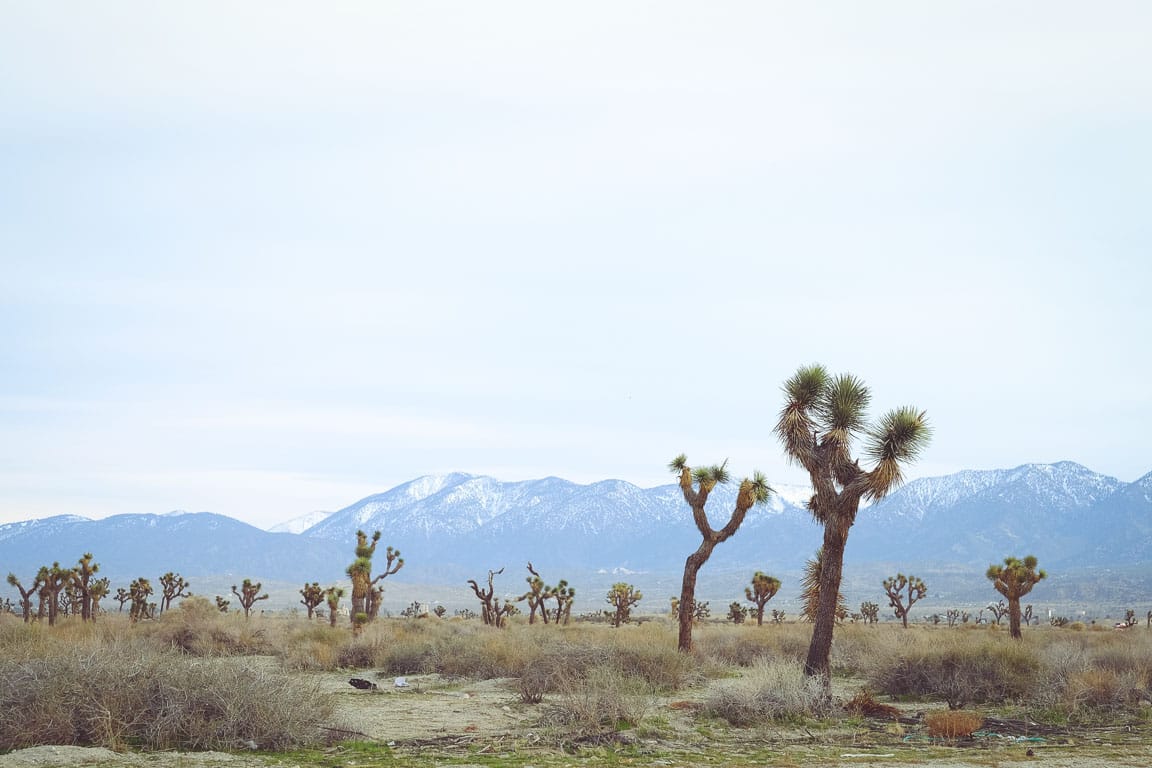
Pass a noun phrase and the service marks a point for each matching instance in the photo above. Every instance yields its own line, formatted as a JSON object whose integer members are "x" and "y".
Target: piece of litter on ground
{"x": 868, "y": 754}
{"x": 401, "y": 683}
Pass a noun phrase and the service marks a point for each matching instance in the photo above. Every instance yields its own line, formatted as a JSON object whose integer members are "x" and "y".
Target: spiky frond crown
{"x": 795, "y": 426}
{"x": 709, "y": 477}
{"x": 900, "y": 436}
{"x": 678, "y": 464}
{"x": 12, "y": 579}
{"x": 841, "y": 408}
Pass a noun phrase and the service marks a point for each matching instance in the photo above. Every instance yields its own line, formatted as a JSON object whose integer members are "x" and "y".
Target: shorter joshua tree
{"x": 222, "y": 604}
{"x": 82, "y": 581}
{"x": 537, "y": 593}
{"x": 763, "y": 589}
{"x": 26, "y": 595}
{"x": 332, "y": 597}
{"x": 737, "y": 613}
{"x": 248, "y": 595}
{"x": 139, "y": 591}
{"x": 491, "y": 610}
{"x": 172, "y": 587}
{"x": 622, "y": 597}
{"x": 899, "y": 588}
{"x": 313, "y": 595}
{"x": 998, "y": 610}
{"x": 870, "y": 611}
{"x": 122, "y": 596}
{"x": 695, "y": 486}
{"x": 1015, "y": 579}
{"x": 777, "y": 616}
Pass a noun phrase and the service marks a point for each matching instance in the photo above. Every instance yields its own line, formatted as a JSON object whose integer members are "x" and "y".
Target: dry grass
{"x": 768, "y": 691}
{"x": 953, "y": 723}
{"x": 95, "y": 692}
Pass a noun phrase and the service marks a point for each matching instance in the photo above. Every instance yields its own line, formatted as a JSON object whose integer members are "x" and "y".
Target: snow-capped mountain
{"x": 456, "y": 526}
{"x": 300, "y": 524}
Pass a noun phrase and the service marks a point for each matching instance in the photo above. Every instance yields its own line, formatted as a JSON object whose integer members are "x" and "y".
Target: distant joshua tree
{"x": 539, "y": 594}
{"x": 491, "y": 609}
{"x": 26, "y": 595}
{"x": 1015, "y": 579}
{"x": 366, "y": 598}
{"x": 248, "y": 595}
{"x": 313, "y": 595}
{"x": 737, "y": 612}
{"x": 870, "y": 611}
{"x": 82, "y": 580}
{"x": 763, "y": 589}
{"x": 55, "y": 580}
{"x": 622, "y": 597}
{"x": 97, "y": 591}
{"x": 172, "y": 586}
{"x": 696, "y": 485}
{"x": 899, "y": 588}
{"x": 332, "y": 597}
{"x": 139, "y": 591}
{"x": 222, "y": 604}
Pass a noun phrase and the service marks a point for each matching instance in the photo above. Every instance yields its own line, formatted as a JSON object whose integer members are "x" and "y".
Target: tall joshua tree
{"x": 695, "y": 485}
{"x": 899, "y": 587}
{"x": 1015, "y": 579}
{"x": 365, "y": 601}
{"x": 763, "y": 589}
{"x": 822, "y": 415}
{"x": 332, "y": 597}
{"x": 56, "y": 579}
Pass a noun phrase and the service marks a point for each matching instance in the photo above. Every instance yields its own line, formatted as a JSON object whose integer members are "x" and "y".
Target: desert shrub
{"x": 600, "y": 700}
{"x": 738, "y": 646}
{"x": 1077, "y": 626}
{"x": 131, "y": 694}
{"x": 197, "y": 628}
{"x": 952, "y": 723}
{"x": 972, "y": 670}
{"x": 1095, "y": 675}
{"x": 865, "y": 704}
{"x": 769, "y": 691}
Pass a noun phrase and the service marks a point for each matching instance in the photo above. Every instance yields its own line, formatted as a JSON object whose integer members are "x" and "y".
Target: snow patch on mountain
{"x": 301, "y": 523}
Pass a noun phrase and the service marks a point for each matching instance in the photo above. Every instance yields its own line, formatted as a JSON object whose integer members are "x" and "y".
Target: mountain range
{"x": 457, "y": 526}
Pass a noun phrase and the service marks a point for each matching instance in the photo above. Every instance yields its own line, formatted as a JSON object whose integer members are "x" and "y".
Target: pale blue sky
{"x": 269, "y": 257}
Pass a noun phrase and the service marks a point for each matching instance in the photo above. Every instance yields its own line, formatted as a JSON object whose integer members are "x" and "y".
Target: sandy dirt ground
{"x": 432, "y": 721}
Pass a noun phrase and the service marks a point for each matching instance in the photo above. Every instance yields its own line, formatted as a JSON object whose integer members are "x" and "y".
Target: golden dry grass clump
{"x": 952, "y": 723}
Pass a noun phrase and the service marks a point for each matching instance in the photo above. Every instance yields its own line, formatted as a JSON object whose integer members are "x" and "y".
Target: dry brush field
{"x": 201, "y": 688}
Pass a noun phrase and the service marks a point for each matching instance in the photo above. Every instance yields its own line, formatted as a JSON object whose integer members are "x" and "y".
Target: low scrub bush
{"x": 131, "y": 694}
{"x": 968, "y": 671}
{"x": 602, "y": 700}
{"x": 952, "y": 723}
{"x": 769, "y": 691}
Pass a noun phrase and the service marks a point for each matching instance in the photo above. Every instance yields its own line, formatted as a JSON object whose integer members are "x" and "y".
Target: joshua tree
{"x": 695, "y": 486}
{"x": 491, "y": 610}
{"x": 998, "y": 610}
{"x": 622, "y": 597}
{"x": 535, "y": 595}
{"x": 1015, "y": 579}
{"x": 953, "y": 616}
{"x": 563, "y": 595}
{"x": 26, "y": 594}
{"x": 737, "y": 613}
{"x": 439, "y": 611}
{"x": 332, "y": 597}
{"x": 248, "y": 595}
{"x": 313, "y": 595}
{"x": 821, "y": 416}
{"x": 777, "y": 616}
{"x": 763, "y": 589}
{"x": 172, "y": 586}
{"x": 222, "y": 604}
{"x": 97, "y": 591}
{"x": 870, "y": 611}
{"x": 139, "y": 591}
{"x": 810, "y": 584}
{"x": 898, "y": 588}
{"x": 55, "y": 580}
{"x": 366, "y": 600}
{"x": 122, "y": 596}
{"x": 82, "y": 579}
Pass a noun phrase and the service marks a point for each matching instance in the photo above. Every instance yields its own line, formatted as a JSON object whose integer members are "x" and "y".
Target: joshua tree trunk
{"x": 831, "y": 570}
{"x": 692, "y": 567}
{"x": 1014, "y": 618}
